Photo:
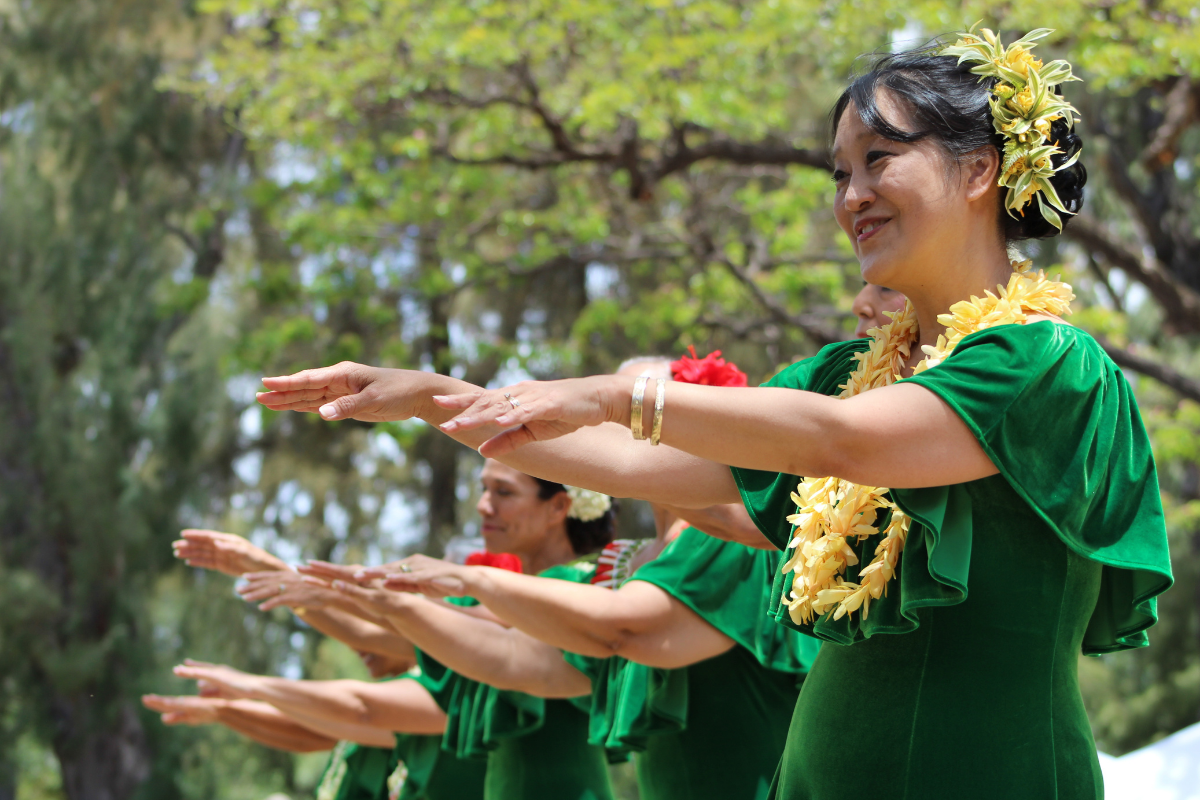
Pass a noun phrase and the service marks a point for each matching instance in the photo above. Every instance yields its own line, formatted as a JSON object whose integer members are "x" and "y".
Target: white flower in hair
{"x": 587, "y": 505}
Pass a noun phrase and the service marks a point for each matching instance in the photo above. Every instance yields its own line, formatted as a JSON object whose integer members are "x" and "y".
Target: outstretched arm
{"x": 261, "y": 722}
{"x": 639, "y": 620}
{"x": 403, "y": 705}
{"x": 604, "y": 458}
{"x": 729, "y": 522}
{"x": 478, "y": 649}
{"x": 327, "y": 611}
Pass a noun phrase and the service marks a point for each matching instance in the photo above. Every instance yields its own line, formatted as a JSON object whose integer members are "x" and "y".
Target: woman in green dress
{"x": 686, "y": 668}
{"x": 1023, "y": 522}
{"x": 508, "y": 698}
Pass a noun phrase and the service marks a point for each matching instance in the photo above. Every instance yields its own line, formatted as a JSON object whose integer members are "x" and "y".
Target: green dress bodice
{"x": 712, "y": 730}
{"x": 962, "y": 680}
{"x": 535, "y": 749}
{"x": 427, "y": 772}
{"x": 356, "y": 772}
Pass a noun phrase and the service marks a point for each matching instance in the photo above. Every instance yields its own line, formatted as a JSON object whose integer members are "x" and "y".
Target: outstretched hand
{"x": 218, "y": 680}
{"x": 223, "y": 552}
{"x": 431, "y": 577}
{"x": 177, "y": 710}
{"x": 537, "y": 411}
{"x": 290, "y": 589}
{"x": 349, "y": 391}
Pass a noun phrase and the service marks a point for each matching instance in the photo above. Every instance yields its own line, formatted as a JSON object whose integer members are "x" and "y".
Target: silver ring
{"x": 515, "y": 402}
{"x": 282, "y": 588}
{"x": 405, "y": 568}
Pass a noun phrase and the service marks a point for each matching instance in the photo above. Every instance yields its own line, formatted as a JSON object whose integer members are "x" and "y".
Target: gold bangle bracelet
{"x": 635, "y": 410}
{"x": 660, "y": 400}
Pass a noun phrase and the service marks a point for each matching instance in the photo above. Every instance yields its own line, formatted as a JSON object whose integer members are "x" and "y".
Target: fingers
{"x": 345, "y": 407}
{"x": 370, "y": 599}
{"x": 504, "y": 443}
{"x": 323, "y": 569}
{"x": 457, "y": 401}
{"x": 284, "y": 401}
{"x": 313, "y": 378}
{"x": 204, "y": 535}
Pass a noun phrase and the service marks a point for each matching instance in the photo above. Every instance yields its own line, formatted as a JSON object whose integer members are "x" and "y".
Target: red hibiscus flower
{"x": 499, "y": 560}
{"x": 712, "y": 370}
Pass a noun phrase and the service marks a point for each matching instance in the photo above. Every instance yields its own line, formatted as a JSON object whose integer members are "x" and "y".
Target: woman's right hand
{"x": 291, "y": 589}
{"x": 352, "y": 391}
{"x": 224, "y": 552}
{"x": 218, "y": 680}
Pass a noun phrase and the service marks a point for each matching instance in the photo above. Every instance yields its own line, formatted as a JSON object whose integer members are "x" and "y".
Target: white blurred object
{"x": 1169, "y": 769}
{"x": 459, "y": 547}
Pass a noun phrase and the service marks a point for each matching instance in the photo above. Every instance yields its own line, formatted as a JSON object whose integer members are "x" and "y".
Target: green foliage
{"x": 488, "y": 189}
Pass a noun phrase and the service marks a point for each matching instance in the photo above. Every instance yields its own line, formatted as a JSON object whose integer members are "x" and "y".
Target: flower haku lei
{"x": 1024, "y": 106}
{"x": 586, "y": 505}
{"x": 832, "y": 513}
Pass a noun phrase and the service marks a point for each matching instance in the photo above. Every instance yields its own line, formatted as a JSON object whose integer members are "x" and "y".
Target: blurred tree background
{"x": 197, "y": 193}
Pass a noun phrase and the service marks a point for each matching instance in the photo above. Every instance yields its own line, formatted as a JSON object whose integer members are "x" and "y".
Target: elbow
{"x": 841, "y": 452}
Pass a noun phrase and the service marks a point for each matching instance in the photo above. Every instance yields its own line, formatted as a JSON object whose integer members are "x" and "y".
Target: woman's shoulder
{"x": 824, "y": 371}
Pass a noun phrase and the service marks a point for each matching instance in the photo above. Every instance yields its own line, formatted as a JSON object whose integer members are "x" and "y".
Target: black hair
{"x": 949, "y": 104}
{"x": 586, "y": 537}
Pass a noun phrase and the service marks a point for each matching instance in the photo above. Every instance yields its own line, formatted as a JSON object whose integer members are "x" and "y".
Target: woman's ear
{"x": 981, "y": 169}
{"x": 560, "y": 506}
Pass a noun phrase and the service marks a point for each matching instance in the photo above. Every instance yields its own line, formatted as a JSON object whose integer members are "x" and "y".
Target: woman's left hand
{"x": 537, "y": 411}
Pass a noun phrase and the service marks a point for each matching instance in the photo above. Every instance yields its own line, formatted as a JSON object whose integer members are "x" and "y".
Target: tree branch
{"x": 1182, "y": 384}
{"x": 812, "y": 325}
{"x": 1179, "y": 114}
{"x": 1181, "y": 304}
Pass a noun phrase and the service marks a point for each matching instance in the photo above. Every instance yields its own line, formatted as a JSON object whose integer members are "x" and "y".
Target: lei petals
{"x": 831, "y": 513}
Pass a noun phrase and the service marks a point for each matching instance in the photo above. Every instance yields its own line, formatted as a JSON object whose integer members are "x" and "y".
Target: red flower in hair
{"x": 712, "y": 370}
{"x": 499, "y": 560}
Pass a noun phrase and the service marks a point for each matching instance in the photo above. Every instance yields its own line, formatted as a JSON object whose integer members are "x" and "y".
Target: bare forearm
{"x": 359, "y": 734}
{"x": 359, "y": 633}
{"x": 604, "y": 458}
{"x": 487, "y": 652}
{"x": 588, "y": 620}
{"x": 267, "y": 725}
{"x": 728, "y": 522}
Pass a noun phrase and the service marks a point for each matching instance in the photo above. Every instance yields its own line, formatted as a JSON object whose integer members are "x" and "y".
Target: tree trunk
{"x": 101, "y": 762}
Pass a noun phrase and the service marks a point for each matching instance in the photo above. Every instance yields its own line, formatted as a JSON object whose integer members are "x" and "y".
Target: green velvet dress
{"x": 535, "y": 749}
{"x": 424, "y": 771}
{"x": 713, "y": 730}
{"x": 962, "y": 683}
{"x": 356, "y": 772}
{"x": 415, "y": 769}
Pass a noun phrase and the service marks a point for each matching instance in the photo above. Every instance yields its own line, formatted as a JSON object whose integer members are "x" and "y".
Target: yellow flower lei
{"x": 1023, "y": 108}
{"x": 831, "y": 511}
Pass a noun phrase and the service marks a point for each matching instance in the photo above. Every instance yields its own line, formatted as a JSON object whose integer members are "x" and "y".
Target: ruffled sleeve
{"x": 1060, "y": 422}
{"x": 729, "y": 586}
{"x": 631, "y": 702}
{"x": 479, "y": 716}
{"x": 767, "y": 495}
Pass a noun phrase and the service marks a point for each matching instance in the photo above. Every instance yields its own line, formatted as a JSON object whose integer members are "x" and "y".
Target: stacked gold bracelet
{"x": 660, "y": 400}
{"x": 635, "y": 410}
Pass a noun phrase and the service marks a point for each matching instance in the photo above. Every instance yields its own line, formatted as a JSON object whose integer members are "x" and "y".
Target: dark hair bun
{"x": 1068, "y": 184}
{"x": 586, "y": 537}
{"x": 950, "y": 104}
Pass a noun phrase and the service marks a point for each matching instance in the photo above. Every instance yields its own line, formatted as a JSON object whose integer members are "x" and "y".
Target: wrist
{"x": 618, "y": 398}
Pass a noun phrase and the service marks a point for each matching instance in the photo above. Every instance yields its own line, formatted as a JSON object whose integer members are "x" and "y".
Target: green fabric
{"x": 714, "y": 729}
{"x": 433, "y": 773}
{"x": 1002, "y": 583}
{"x": 356, "y": 772}
{"x": 535, "y": 748}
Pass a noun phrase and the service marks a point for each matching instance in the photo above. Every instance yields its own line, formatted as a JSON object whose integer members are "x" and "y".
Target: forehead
{"x": 851, "y": 132}
{"x": 496, "y": 472}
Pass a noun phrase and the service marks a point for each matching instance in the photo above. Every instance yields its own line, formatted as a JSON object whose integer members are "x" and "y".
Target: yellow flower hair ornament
{"x": 1024, "y": 106}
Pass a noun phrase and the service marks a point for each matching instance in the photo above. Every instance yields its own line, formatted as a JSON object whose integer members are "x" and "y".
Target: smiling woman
{"x": 1023, "y": 521}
